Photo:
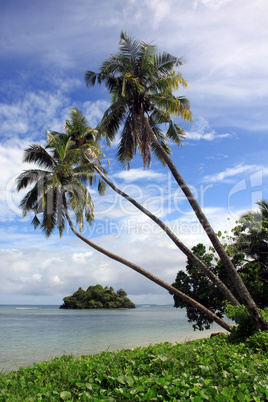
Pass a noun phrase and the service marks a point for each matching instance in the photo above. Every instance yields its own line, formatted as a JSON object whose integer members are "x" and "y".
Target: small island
{"x": 97, "y": 297}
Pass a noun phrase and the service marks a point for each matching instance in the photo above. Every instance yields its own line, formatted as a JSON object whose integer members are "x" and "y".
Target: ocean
{"x": 31, "y": 334}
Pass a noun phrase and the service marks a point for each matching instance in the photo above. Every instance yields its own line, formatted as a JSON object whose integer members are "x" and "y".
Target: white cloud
{"x": 34, "y": 112}
{"x": 93, "y": 111}
{"x": 81, "y": 258}
{"x": 213, "y": 4}
{"x": 63, "y": 272}
{"x": 235, "y": 171}
{"x": 225, "y": 49}
{"x": 202, "y": 131}
{"x": 138, "y": 174}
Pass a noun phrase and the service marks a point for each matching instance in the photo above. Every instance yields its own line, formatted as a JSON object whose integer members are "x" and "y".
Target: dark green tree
{"x": 248, "y": 250}
{"x": 97, "y": 297}
{"x": 251, "y": 235}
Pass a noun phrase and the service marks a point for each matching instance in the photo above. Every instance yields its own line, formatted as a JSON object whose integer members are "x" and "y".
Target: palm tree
{"x": 76, "y": 128}
{"x": 141, "y": 83}
{"x": 58, "y": 187}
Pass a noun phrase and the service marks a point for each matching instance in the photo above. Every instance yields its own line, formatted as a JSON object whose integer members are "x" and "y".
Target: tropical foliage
{"x": 61, "y": 179}
{"x": 96, "y": 297}
{"x": 141, "y": 83}
{"x": 248, "y": 250}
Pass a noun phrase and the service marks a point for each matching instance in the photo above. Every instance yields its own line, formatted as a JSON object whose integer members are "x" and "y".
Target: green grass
{"x": 206, "y": 369}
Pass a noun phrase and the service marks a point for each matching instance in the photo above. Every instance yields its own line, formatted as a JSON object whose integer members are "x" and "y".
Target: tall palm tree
{"x": 76, "y": 128}
{"x": 141, "y": 83}
{"x": 58, "y": 186}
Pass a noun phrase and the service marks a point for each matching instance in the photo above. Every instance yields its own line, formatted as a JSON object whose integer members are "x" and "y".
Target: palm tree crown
{"x": 61, "y": 180}
{"x": 141, "y": 84}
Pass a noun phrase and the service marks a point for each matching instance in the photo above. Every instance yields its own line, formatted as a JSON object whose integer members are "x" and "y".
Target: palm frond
{"x": 263, "y": 205}
{"x": 37, "y": 154}
{"x": 175, "y": 133}
{"x": 80, "y": 201}
{"x": 102, "y": 187}
{"x": 91, "y": 77}
{"x": 165, "y": 62}
{"x": 146, "y": 58}
{"x": 144, "y": 143}
{"x": 30, "y": 176}
{"x": 35, "y": 222}
{"x": 128, "y": 142}
{"x": 32, "y": 198}
{"x": 60, "y": 214}
{"x": 162, "y": 140}
{"x": 159, "y": 116}
{"x": 129, "y": 48}
{"x": 112, "y": 120}
{"x": 49, "y": 212}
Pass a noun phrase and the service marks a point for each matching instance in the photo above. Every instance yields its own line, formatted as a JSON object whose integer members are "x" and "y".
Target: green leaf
{"x": 65, "y": 395}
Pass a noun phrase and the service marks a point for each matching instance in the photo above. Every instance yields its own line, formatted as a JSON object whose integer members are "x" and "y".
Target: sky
{"x": 45, "y": 49}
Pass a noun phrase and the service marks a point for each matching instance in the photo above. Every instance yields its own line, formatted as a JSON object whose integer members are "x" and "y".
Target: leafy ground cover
{"x": 206, "y": 369}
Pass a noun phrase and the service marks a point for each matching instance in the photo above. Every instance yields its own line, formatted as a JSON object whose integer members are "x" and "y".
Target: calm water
{"x": 34, "y": 333}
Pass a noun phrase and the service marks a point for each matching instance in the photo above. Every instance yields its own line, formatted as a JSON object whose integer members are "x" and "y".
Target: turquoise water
{"x": 31, "y": 334}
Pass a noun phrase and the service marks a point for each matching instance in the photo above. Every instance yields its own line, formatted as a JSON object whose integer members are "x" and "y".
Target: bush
{"x": 258, "y": 342}
{"x": 245, "y": 327}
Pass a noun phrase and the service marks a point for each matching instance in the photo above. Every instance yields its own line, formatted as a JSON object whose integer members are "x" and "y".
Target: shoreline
{"x": 130, "y": 348}
{"x": 34, "y": 335}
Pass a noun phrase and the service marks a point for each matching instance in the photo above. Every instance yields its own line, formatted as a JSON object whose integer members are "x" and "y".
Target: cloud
{"x": 94, "y": 111}
{"x": 235, "y": 171}
{"x": 225, "y": 50}
{"x": 45, "y": 31}
{"x": 213, "y": 4}
{"x": 202, "y": 131}
{"x": 81, "y": 258}
{"x": 34, "y": 112}
{"x": 138, "y": 174}
{"x": 61, "y": 273}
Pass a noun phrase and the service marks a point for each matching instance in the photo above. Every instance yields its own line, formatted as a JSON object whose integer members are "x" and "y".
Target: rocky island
{"x": 97, "y": 297}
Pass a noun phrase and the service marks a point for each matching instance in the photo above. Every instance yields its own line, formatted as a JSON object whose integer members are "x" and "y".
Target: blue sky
{"x": 46, "y": 46}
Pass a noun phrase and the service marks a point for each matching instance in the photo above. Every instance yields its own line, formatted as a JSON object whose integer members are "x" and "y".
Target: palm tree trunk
{"x": 242, "y": 290}
{"x": 214, "y": 279}
{"x": 147, "y": 274}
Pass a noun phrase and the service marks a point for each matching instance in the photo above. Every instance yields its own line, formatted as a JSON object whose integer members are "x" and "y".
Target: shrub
{"x": 258, "y": 342}
{"x": 245, "y": 327}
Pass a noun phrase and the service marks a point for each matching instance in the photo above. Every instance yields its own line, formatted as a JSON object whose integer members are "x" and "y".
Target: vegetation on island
{"x": 203, "y": 370}
{"x": 96, "y": 297}
{"x": 143, "y": 107}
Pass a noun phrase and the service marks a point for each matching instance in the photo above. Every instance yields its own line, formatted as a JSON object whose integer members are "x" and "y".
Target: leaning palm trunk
{"x": 239, "y": 285}
{"x": 214, "y": 279}
{"x": 148, "y": 275}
